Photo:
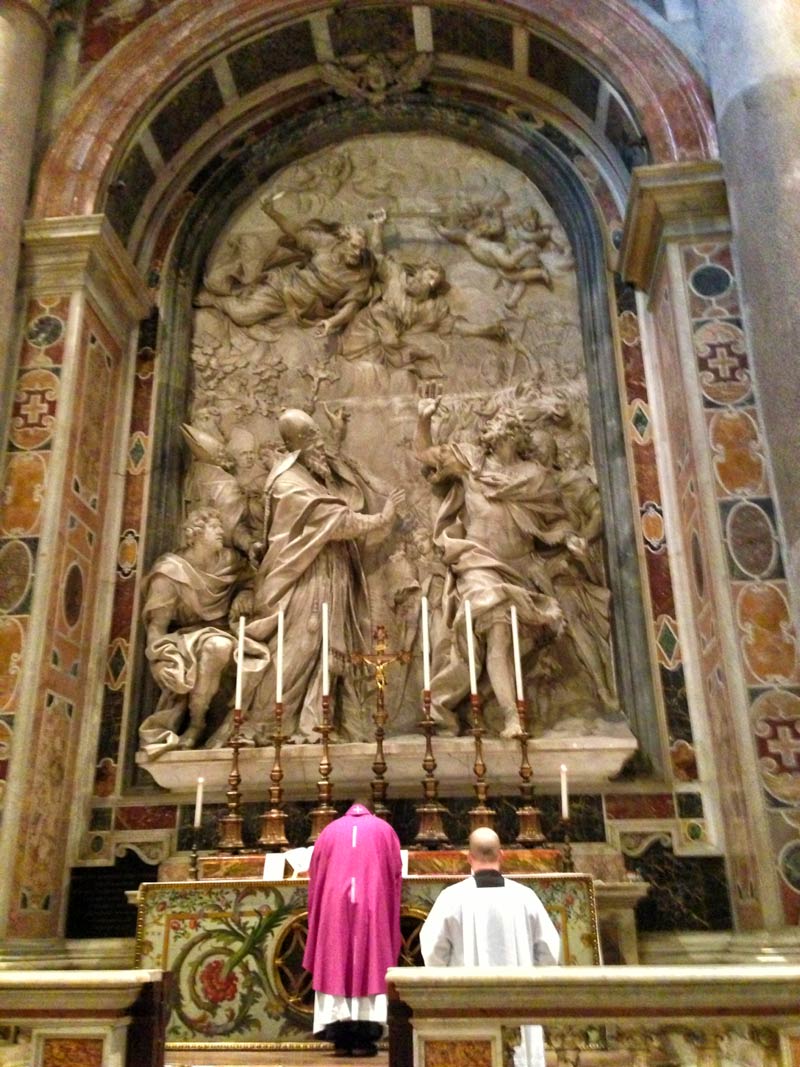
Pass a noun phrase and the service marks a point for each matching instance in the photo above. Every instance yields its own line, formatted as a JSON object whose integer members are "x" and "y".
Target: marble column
{"x": 23, "y": 45}
{"x": 753, "y": 55}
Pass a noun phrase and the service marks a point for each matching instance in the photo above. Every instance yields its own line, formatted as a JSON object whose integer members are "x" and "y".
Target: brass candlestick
{"x": 194, "y": 855}
{"x": 273, "y": 822}
{"x": 380, "y": 659}
{"x": 530, "y": 833}
{"x": 567, "y": 849}
{"x": 481, "y": 815}
{"x": 231, "y": 824}
{"x": 324, "y": 811}
{"x": 431, "y": 833}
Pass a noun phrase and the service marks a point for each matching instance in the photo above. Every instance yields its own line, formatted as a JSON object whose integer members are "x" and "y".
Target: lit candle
{"x": 198, "y": 803}
{"x": 239, "y": 664}
{"x": 564, "y": 794}
{"x": 426, "y": 648}
{"x": 517, "y": 660}
{"x": 473, "y": 681}
{"x": 279, "y": 664}
{"x": 326, "y": 683}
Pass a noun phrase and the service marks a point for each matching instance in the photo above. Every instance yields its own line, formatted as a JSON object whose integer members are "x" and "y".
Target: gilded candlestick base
{"x": 320, "y": 817}
{"x": 431, "y": 833}
{"x": 530, "y": 833}
{"x": 230, "y": 834}
{"x": 273, "y": 831}
{"x": 481, "y": 816}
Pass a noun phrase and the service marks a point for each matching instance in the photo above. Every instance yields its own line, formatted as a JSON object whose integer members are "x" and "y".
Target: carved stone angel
{"x": 377, "y": 76}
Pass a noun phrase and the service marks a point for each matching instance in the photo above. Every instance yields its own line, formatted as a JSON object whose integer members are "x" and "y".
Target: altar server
{"x": 353, "y": 928}
{"x": 488, "y": 921}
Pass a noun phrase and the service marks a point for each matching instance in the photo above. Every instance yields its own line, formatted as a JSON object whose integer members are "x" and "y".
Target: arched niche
{"x": 545, "y": 157}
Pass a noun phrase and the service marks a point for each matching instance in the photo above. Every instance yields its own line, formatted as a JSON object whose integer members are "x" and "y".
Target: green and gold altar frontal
{"x": 235, "y": 949}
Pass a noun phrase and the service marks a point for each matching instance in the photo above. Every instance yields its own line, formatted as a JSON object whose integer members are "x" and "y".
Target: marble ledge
{"x": 582, "y": 992}
{"x": 87, "y": 991}
{"x": 591, "y": 762}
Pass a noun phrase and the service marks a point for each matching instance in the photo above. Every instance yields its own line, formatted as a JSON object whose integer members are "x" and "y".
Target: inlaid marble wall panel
{"x": 758, "y": 588}
{"x": 27, "y": 461}
{"x": 85, "y": 440}
{"x": 705, "y": 610}
{"x": 110, "y": 748}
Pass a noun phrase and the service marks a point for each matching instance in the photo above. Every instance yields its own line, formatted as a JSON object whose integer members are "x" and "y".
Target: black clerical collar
{"x": 488, "y": 879}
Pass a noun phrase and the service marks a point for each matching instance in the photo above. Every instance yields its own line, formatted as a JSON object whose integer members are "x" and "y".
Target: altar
{"x": 235, "y": 945}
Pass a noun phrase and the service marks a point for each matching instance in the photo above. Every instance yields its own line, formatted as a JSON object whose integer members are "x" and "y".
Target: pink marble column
{"x": 753, "y": 54}
{"x": 23, "y": 44}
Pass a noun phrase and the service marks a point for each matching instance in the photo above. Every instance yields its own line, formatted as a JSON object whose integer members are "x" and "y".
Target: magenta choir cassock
{"x": 353, "y": 918}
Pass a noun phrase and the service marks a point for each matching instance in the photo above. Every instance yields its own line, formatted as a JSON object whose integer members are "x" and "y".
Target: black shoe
{"x": 361, "y": 1053}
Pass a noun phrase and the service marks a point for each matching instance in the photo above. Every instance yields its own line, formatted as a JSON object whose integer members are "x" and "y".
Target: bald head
{"x": 484, "y": 850}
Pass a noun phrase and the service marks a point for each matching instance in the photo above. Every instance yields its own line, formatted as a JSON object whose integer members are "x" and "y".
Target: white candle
{"x": 326, "y": 683}
{"x": 239, "y": 664}
{"x": 517, "y": 660}
{"x": 198, "y": 803}
{"x": 473, "y": 681}
{"x": 279, "y": 664}
{"x": 564, "y": 794}
{"x": 426, "y": 648}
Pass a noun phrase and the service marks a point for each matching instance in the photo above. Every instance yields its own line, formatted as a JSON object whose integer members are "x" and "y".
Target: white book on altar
{"x": 274, "y": 866}
{"x": 404, "y": 861}
{"x": 299, "y": 859}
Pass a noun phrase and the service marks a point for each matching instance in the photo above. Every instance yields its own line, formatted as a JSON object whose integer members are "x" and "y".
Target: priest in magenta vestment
{"x": 353, "y": 928}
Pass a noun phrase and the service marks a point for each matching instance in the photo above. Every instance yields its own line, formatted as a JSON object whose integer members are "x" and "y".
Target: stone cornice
{"x": 68, "y": 254}
{"x": 669, "y": 202}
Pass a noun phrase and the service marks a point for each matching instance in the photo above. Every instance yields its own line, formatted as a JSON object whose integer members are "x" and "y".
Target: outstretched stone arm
{"x": 356, "y": 525}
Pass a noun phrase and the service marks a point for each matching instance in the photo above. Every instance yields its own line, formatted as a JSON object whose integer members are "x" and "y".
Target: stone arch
{"x": 112, "y": 114}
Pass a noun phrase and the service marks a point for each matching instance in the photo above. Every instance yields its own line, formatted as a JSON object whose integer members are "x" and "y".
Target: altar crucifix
{"x": 379, "y": 659}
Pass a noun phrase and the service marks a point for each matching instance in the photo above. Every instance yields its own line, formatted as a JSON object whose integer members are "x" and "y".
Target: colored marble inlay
{"x": 642, "y": 806}
{"x": 72, "y": 1052}
{"x": 139, "y": 817}
{"x": 458, "y": 1053}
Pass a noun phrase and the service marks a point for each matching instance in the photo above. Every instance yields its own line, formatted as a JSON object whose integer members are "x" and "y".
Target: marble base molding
{"x": 590, "y": 761}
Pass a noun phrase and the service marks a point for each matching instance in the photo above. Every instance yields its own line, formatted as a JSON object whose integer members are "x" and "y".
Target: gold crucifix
{"x": 379, "y": 659}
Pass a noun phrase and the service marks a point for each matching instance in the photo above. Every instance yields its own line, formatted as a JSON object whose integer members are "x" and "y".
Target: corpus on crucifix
{"x": 379, "y": 659}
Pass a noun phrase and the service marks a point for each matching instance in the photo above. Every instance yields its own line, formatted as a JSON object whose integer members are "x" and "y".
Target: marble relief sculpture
{"x": 391, "y": 404}
{"x": 187, "y": 599}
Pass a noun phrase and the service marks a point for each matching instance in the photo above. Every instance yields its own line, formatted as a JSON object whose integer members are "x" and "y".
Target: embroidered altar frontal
{"x": 236, "y": 949}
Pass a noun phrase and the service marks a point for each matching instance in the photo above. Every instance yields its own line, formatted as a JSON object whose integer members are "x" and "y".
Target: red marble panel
{"x": 105, "y": 778}
{"x": 33, "y": 413}
{"x": 159, "y": 817}
{"x": 23, "y": 493}
{"x": 662, "y": 594}
{"x": 12, "y": 644}
{"x": 640, "y": 806}
{"x": 738, "y": 459}
{"x": 72, "y": 1052}
{"x": 775, "y": 715}
{"x": 456, "y": 1053}
{"x": 767, "y": 636}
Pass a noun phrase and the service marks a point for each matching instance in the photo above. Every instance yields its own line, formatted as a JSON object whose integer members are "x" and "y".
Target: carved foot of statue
{"x": 512, "y": 727}
{"x": 190, "y": 737}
